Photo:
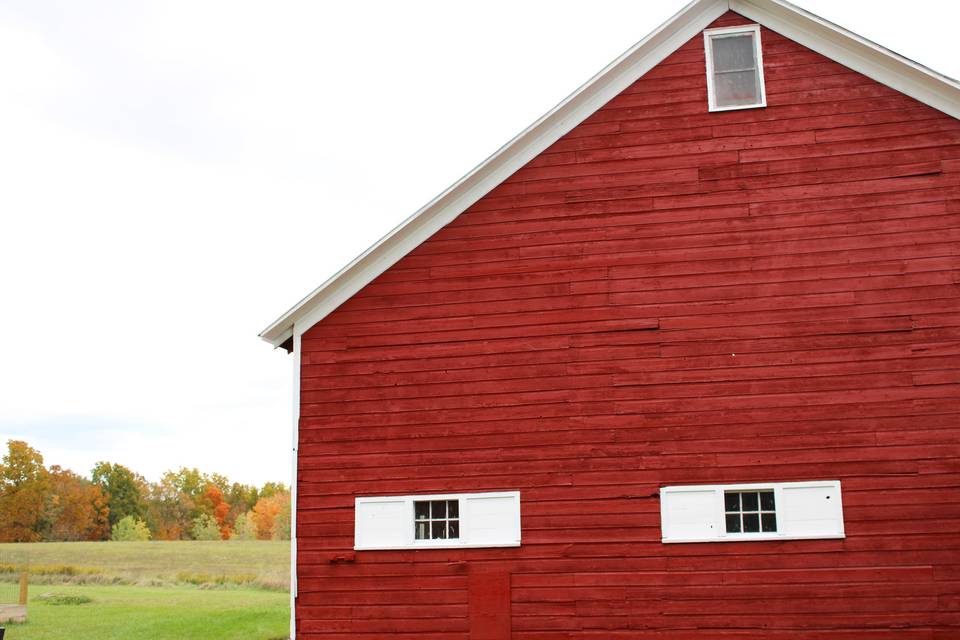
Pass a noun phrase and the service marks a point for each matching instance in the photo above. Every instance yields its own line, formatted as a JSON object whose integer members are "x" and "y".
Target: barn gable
{"x": 834, "y": 42}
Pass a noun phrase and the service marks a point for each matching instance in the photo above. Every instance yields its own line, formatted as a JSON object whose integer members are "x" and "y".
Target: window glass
{"x": 436, "y": 519}
{"x": 733, "y": 53}
{"x": 736, "y": 89}
{"x": 750, "y": 511}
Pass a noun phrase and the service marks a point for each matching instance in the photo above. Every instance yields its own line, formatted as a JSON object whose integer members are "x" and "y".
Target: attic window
{"x": 734, "y": 68}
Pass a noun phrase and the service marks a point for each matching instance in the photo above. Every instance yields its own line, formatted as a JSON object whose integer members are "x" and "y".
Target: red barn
{"x": 680, "y": 361}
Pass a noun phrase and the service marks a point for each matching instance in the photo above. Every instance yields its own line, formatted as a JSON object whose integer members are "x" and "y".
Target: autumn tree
{"x": 124, "y": 490}
{"x": 169, "y": 511}
{"x": 265, "y": 514}
{"x": 24, "y": 488}
{"x": 76, "y": 508}
{"x": 217, "y": 508}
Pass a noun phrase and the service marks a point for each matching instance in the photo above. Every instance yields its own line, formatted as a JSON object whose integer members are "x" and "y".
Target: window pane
{"x": 736, "y": 88}
{"x": 438, "y": 509}
{"x": 751, "y": 523}
{"x": 766, "y": 501}
{"x": 453, "y": 508}
{"x": 769, "y": 522}
{"x": 731, "y": 501}
{"x": 439, "y": 530}
{"x": 733, "y": 53}
{"x": 422, "y": 531}
{"x": 453, "y": 529}
{"x": 750, "y": 501}
{"x": 733, "y": 523}
{"x": 422, "y": 510}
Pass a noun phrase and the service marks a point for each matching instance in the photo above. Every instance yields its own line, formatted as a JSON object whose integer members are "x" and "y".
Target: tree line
{"x": 39, "y": 504}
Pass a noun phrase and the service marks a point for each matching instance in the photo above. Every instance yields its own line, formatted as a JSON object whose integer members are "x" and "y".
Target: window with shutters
{"x": 438, "y": 521}
{"x": 729, "y": 513}
{"x": 734, "y": 68}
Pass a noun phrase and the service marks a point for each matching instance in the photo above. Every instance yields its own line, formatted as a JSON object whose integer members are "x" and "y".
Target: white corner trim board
{"x": 803, "y": 510}
{"x": 293, "y": 486}
{"x": 482, "y": 520}
{"x": 874, "y": 61}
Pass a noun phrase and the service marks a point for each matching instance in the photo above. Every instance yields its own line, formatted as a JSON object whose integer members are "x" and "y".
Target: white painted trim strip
{"x": 293, "y": 486}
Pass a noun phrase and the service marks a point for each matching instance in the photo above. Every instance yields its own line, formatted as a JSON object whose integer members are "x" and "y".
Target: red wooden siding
{"x": 665, "y": 296}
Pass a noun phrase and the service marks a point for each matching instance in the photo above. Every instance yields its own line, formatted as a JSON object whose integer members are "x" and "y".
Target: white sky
{"x": 175, "y": 174}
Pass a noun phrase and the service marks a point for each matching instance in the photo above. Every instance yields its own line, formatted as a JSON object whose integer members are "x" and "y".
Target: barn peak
{"x": 817, "y": 34}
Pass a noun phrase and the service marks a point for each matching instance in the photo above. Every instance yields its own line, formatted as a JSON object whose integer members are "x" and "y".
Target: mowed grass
{"x": 151, "y": 590}
{"x": 260, "y": 563}
{"x": 122, "y": 612}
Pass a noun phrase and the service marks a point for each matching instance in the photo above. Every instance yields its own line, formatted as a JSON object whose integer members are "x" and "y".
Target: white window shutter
{"x": 382, "y": 523}
{"x": 811, "y": 510}
{"x": 492, "y": 519}
{"x": 689, "y": 514}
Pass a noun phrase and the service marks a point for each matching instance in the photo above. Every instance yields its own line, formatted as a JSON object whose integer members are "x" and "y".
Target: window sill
{"x": 759, "y": 537}
{"x": 761, "y": 105}
{"x": 436, "y": 545}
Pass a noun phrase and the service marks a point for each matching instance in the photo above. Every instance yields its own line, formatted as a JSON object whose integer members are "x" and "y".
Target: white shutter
{"x": 811, "y": 510}
{"x": 382, "y": 523}
{"x": 492, "y": 519}
{"x": 689, "y": 514}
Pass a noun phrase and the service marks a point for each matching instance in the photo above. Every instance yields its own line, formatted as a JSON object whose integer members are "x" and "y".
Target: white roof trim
{"x": 872, "y": 60}
{"x": 851, "y": 50}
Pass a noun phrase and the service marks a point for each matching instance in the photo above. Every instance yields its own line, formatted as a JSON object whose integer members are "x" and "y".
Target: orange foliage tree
{"x": 76, "y": 508}
{"x": 24, "y": 487}
{"x": 219, "y": 508}
{"x": 265, "y": 514}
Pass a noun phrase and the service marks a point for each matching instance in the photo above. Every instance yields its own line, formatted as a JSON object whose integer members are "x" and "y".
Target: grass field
{"x": 120, "y": 612}
{"x": 150, "y": 590}
{"x": 259, "y": 563}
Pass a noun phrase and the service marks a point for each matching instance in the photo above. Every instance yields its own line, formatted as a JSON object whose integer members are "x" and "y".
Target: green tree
{"x": 271, "y": 489}
{"x": 130, "y": 529}
{"x": 245, "y": 527}
{"x": 205, "y": 527}
{"x": 24, "y": 491}
{"x": 123, "y": 488}
{"x": 281, "y": 526}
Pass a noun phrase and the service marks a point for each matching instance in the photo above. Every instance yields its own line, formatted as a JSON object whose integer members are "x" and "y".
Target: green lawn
{"x": 151, "y": 590}
{"x": 169, "y": 613}
{"x": 260, "y": 563}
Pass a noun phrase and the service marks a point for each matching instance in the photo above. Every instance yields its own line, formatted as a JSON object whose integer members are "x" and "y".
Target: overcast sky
{"x": 176, "y": 174}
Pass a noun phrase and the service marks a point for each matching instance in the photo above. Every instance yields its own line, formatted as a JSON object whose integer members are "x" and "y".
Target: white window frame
{"x": 719, "y": 511}
{"x": 758, "y": 54}
{"x": 463, "y": 542}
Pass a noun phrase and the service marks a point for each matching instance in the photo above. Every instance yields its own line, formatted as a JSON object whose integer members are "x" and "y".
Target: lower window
{"x": 437, "y": 521}
{"x": 770, "y": 511}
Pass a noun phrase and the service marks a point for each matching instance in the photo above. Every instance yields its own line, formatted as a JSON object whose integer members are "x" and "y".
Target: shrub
{"x": 205, "y": 527}
{"x": 130, "y": 529}
{"x": 60, "y": 598}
